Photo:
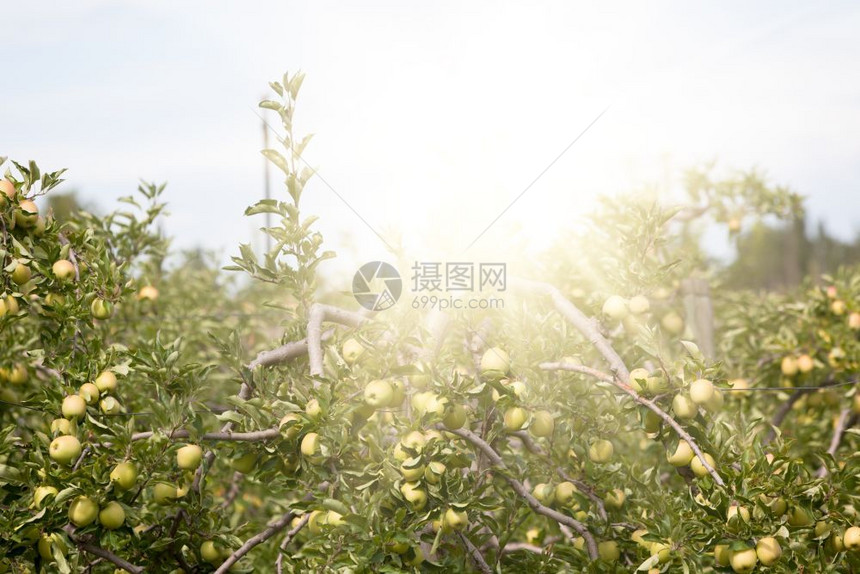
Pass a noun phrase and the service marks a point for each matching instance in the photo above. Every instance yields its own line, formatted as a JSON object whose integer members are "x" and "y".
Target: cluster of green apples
{"x": 637, "y": 309}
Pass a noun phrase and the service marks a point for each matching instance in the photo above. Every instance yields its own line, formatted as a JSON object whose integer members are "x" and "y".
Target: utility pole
{"x": 267, "y": 188}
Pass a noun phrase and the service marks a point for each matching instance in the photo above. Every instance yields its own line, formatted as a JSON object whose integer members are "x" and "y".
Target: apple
{"x": 615, "y": 499}
{"x": 639, "y": 305}
{"x": 333, "y": 519}
{"x": 147, "y": 293}
{"x": 21, "y": 273}
{"x": 739, "y": 386}
{"x": 293, "y": 422}
{"x": 722, "y": 555}
{"x": 415, "y": 556}
{"x": 701, "y": 391}
{"x": 65, "y": 449}
{"x": 110, "y": 406}
{"x": 455, "y": 417}
{"x": 314, "y": 410}
{"x": 112, "y": 516}
{"x": 415, "y": 440}
{"x": 768, "y": 550}
{"x": 434, "y": 472}
{"x": 19, "y": 374}
{"x": 743, "y": 560}
{"x": 89, "y": 392}
{"x": 788, "y": 366}
{"x": 851, "y": 538}
{"x": 12, "y": 306}
{"x": 601, "y": 451}
{"x": 657, "y": 384}
{"x": 378, "y": 394}
{"x": 716, "y": 402}
{"x": 854, "y": 321}
{"x": 454, "y": 520}
{"x": 62, "y": 426}
{"x": 63, "y": 270}
{"x": 805, "y": 363}
{"x": 615, "y": 307}
{"x": 543, "y": 424}
{"x": 124, "y": 475}
{"x": 673, "y": 323}
{"x": 515, "y": 418}
{"x": 245, "y": 463}
{"x": 310, "y": 446}
{"x": 835, "y": 357}
{"x": 189, "y": 456}
{"x": 684, "y": 407}
{"x": 106, "y": 381}
{"x": 778, "y": 506}
{"x": 414, "y": 494}
{"x": 835, "y": 543}
{"x": 608, "y": 551}
{"x": 101, "y": 309}
{"x": 412, "y": 469}
{"x": 662, "y": 551}
{"x": 564, "y": 492}
{"x": 46, "y": 544}
{"x": 351, "y": 351}
{"x": 8, "y": 189}
{"x": 699, "y": 469}
{"x": 652, "y": 423}
{"x": 799, "y": 517}
{"x": 26, "y": 214}
{"x": 83, "y": 511}
{"x": 639, "y": 379}
{"x": 211, "y": 552}
{"x": 638, "y": 537}
{"x": 838, "y": 307}
{"x": 495, "y": 361}
{"x": 399, "y": 393}
{"x": 164, "y": 492}
{"x": 42, "y": 492}
{"x": 544, "y": 493}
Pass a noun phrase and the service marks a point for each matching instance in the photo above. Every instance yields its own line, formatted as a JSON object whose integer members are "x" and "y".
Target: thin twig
{"x": 255, "y": 540}
{"x": 475, "y": 554}
{"x": 96, "y": 550}
{"x": 254, "y": 436}
{"x": 846, "y": 419}
{"x": 288, "y": 538}
{"x": 518, "y": 487}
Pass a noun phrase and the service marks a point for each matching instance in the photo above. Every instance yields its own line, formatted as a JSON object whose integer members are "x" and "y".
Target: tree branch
{"x": 520, "y": 489}
{"x": 475, "y": 554}
{"x": 96, "y": 550}
{"x": 642, "y": 401}
{"x": 318, "y": 314}
{"x": 288, "y": 538}
{"x": 255, "y": 540}
{"x": 846, "y": 420}
{"x": 228, "y": 435}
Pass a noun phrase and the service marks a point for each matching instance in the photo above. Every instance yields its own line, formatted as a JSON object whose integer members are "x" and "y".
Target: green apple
{"x": 701, "y": 391}
{"x": 805, "y": 363}
{"x": 657, "y": 384}
{"x": 106, "y": 381}
{"x": 19, "y": 374}
{"x": 652, "y": 423}
{"x": 662, "y": 551}
{"x": 743, "y": 561}
{"x": 189, "y": 456}
{"x": 62, "y": 426}
{"x": 639, "y": 379}
{"x": 736, "y": 514}
{"x": 684, "y": 407}
{"x": 292, "y": 422}
{"x": 164, "y": 492}
{"x": 414, "y": 557}
{"x": 89, "y": 392}
{"x": 682, "y": 456}
{"x": 46, "y": 544}
{"x": 434, "y": 472}
{"x": 564, "y": 492}
{"x": 543, "y": 424}
{"x": 313, "y": 409}
{"x": 544, "y": 493}
{"x": 42, "y": 492}
{"x": 515, "y": 418}
{"x": 672, "y": 323}
{"x": 101, "y": 309}
{"x": 83, "y": 511}
{"x": 835, "y": 357}
{"x": 310, "y": 446}
{"x": 63, "y": 270}
{"x": 378, "y": 394}
{"x": 722, "y": 555}
{"x": 799, "y": 517}
{"x": 455, "y": 417}
{"x": 699, "y": 469}
{"x": 26, "y": 214}
{"x": 788, "y": 366}
{"x": 124, "y": 475}
{"x": 768, "y": 550}
{"x": 21, "y": 273}
{"x": 601, "y": 451}
{"x": 615, "y": 307}
{"x": 74, "y": 407}
{"x": 639, "y": 305}
{"x": 65, "y": 449}
{"x": 495, "y": 361}
{"x": 110, "y": 406}
{"x": 454, "y": 520}
{"x": 412, "y": 469}
{"x": 112, "y": 516}
{"x": 414, "y": 494}
{"x": 851, "y": 538}
{"x": 608, "y": 551}
{"x": 351, "y": 351}
{"x": 211, "y": 552}
{"x": 245, "y": 463}
{"x": 399, "y": 393}
{"x": 835, "y": 543}
{"x": 414, "y": 440}
{"x": 615, "y": 499}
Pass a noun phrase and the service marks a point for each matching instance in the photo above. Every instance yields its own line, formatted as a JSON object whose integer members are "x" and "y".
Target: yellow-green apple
{"x": 110, "y": 406}
{"x": 639, "y": 379}
{"x": 46, "y": 544}
{"x": 189, "y": 456}
{"x": 414, "y": 494}
{"x": 42, "y": 492}
{"x": 601, "y": 451}
{"x": 112, "y": 516}
{"x": 851, "y": 538}
{"x": 292, "y": 422}
{"x": 8, "y": 189}
{"x": 101, "y": 309}
{"x": 455, "y": 520}
{"x": 164, "y": 492}
{"x": 701, "y": 391}
{"x": 768, "y": 550}
{"x": 608, "y": 551}
{"x": 147, "y": 293}
{"x": 805, "y": 363}
{"x": 699, "y": 469}
{"x": 378, "y": 394}
{"x": 83, "y": 511}
{"x": 106, "y": 381}
{"x": 743, "y": 560}
{"x": 564, "y": 492}
{"x": 63, "y": 270}
{"x": 515, "y": 418}
{"x": 838, "y": 307}
{"x": 788, "y": 366}
{"x": 615, "y": 307}
{"x": 615, "y": 499}
{"x": 351, "y": 351}
{"x": 495, "y": 361}
{"x": 89, "y": 392}
{"x": 244, "y": 463}
{"x": 65, "y": 449}
{"x": 544, "y": 493}
{"x": 639, "y": 304}
{"x": 722, "y": 555}
{"x": 672, "y": 323}
{"x": 27, "y": 213}
{"x": 310, "y": 446}
{"x": 21, "y": 273}
{"x": 455, "y": 417}
{"x": 434, "y": 472}
{"x": 684, "y": 407}
{"x": 543, "y": 424}
{"x": 124, "y": 475}
{"x": 854, "y": 321}
{"x": 211, "y": 552}
{"x": 412, "y": 469}
{"x": 313, "y": 409}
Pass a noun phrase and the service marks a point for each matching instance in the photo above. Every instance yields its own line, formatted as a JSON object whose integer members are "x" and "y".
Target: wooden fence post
{"x": 700, "y": 313}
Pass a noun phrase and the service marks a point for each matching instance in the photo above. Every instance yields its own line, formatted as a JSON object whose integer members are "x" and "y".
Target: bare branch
{"x": 288, "y": 538}
{"x": 255, "y": 540}
{"x": 318, "y": 314}
{"x": 96, "y": 550}
{"x": 475, "y": 554}
{"x": 520, "y": 489}
{"x": 642, "y": 401}
{"x": 846, "y": 420}
{"x": 228, "y": 435}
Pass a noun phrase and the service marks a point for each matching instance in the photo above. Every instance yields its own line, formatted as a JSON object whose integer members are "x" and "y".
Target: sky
{"x": 431, "y": 117}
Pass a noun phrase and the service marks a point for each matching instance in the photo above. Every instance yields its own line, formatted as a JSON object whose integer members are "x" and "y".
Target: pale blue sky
{"x": 432, "y": 116}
